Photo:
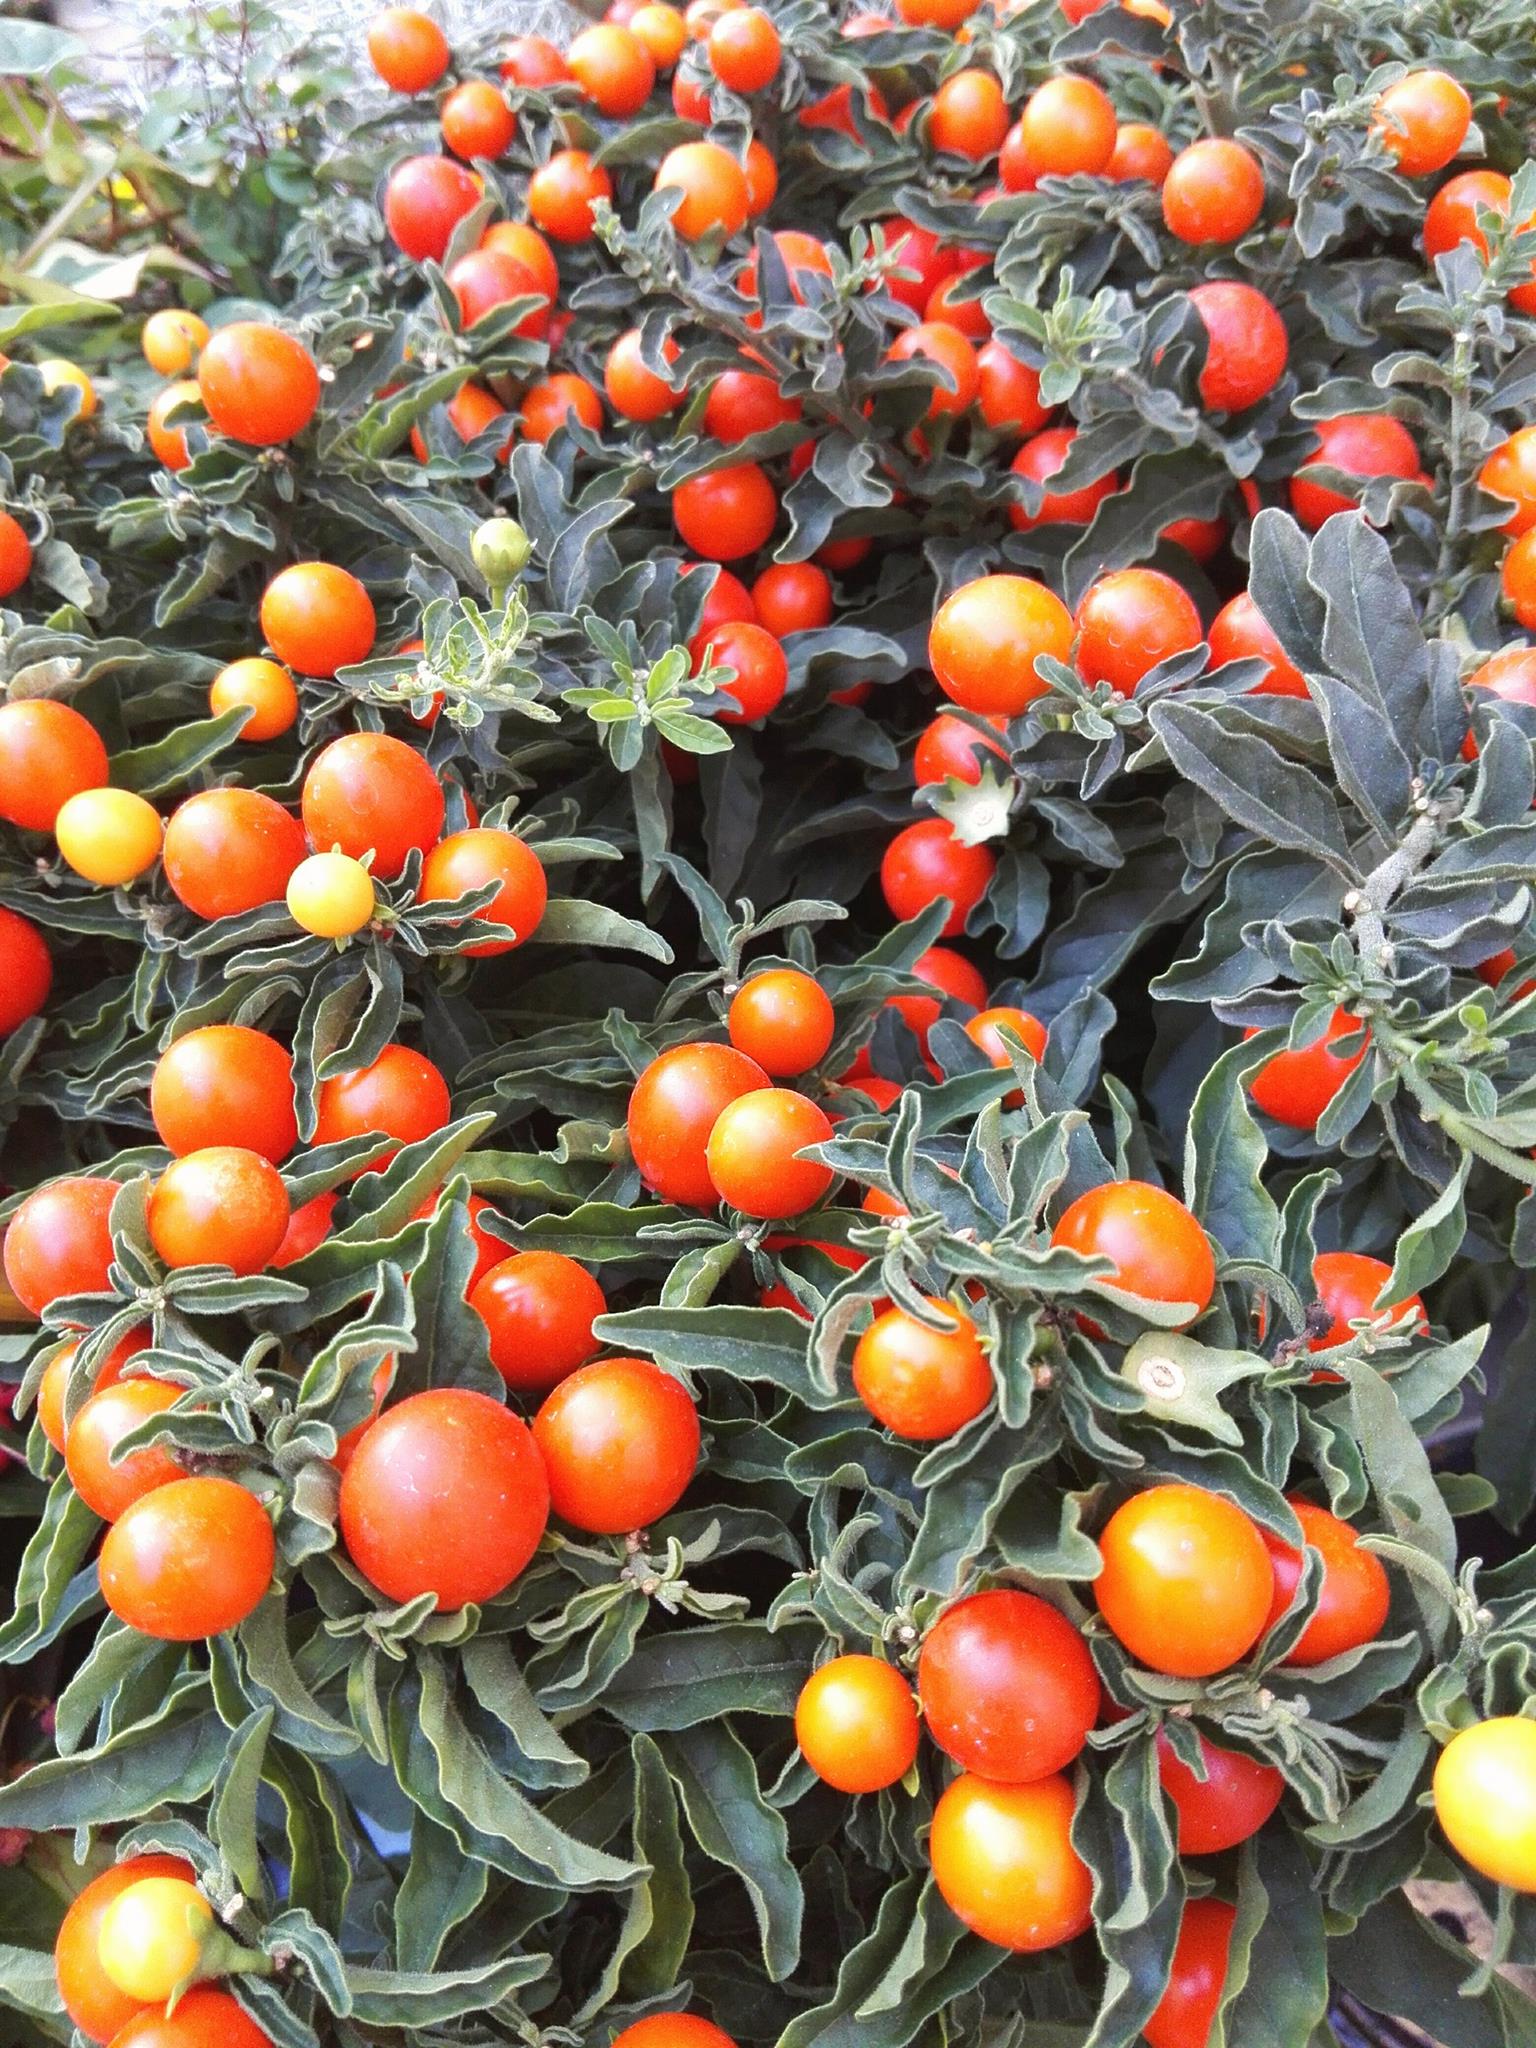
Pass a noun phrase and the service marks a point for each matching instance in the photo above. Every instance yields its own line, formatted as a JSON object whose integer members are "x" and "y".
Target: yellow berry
{"x": 152, "y": 1937}
{"x": 56, "y": 373}
{"x": 331, "y": 895}
{"x": 109, "y": 835}
{"x": 172, "y": 340}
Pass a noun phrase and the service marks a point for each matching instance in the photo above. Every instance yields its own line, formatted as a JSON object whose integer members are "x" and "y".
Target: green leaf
{"x": 734, "y": 1826}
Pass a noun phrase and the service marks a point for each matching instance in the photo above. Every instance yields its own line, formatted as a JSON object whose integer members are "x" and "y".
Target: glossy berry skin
{"x": 318, "y": 618}
{"x": 108, "y": 1488}
{"x": 230, "y": 850}
{"x": 727, "y": 513}
{"x": 1128, "y": 622}
{"x": 368, "y": 793}
{"x": 424, "y": 201}
{"x": 986, "y": 638}
{"x": 48, "y": 753}
{"x": 751, "y": 1154}
{"x": 108, "y": 836}
{"x": 221, "y": 1205}
{"x": 1187, "y": 1581}
{"x": 1246, "y": 349}
{"x": 407, "y": 49}
{"x": 53, "y": 1389}
{"x": 985, "y": 1031}
{"x": 1241, "y": 632}
{"x": 969, "y": 115}
{"x": 1140, "y": 152}
{"x": 261, "y": 687}
{"x": 468, "y": 860}
{"x": 1485, "y": 1799}
{"x": 951, "y": 748}
{"x": 169, "y": 442}
{"x": 1351, "y": 1607}
{"x": 15, "y": 554}
{"x": 538, "y": 1308}
{"x": 1231, "y": 1802}
{"x": 716, "y": 199}
{"x": 1157, "y": 1248}
{"x": 744, "y": 50}
{"x": 672, "y": 1111}
{"x": 477, "y": 121}
{"x": 1295, "y": 1087}
{"x": 1187, "y": 2009}
{"x": 792, "y": 597}
{"x": 782, "y": 1019}
{"x": 401, "y": 1094}
{"x": 1510, "y": 472}
{"x": 26, "y": 970}
{"x": 445, "y": 1494}
{"x": 225, "y": 1084}
{"x": 1214, "y": 191}
{"x": 548, "y": 405}
{"x": 1366, "y": 445}
{"x": 1008, "y": 392}
{"x": 1422, "y": 121}
{"x": 204, "y": 2018}
{"x": 952, "y": 977}
{"x": 331, "y": 895}
{"x": 923, "y": 1384}
{"x": 58, "y": 1242}
{"x": 189, "y": 1560}
{"x": 613, "y": 68}
{"x": 761, "y": 671}
{"x": 744, "y": 402}
{"x": 856, "y": 1724}
{"x": 946, "y": 348}
{"x": 152, "y": 1936}
{"x": 926, "y": 861}
{"x": 487, "y": 279}
{"x": 634, "y": 390}
{"x": 1349, "y": 1285}
{"x": 674, "y": 2030}
{"x": 620, "y": 1441}
{"x": 1038, "y": 460}
{"x": 1004, "y": 1863}
{"x": 1068, "y": 128}
{"x": 1517, "y": 578}
{"x": 90, "y": 1997}
{"x": 1008, "y": 1687}
{"x": 258, "y": 384}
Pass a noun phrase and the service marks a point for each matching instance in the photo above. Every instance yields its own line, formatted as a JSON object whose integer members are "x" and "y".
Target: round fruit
{"x": 1485, "y": 1799}
{"x": 1363, "y": 444}
{"x": 949, "y": 747}
{"x": 400, "y": 1094}
{"x": 548, "y": 405}
{"x": 969, "y": 115}
{"x": 922, "y": 1383}
{"x": 792, "y": 597}
{"x": 407, "y": 49}
{"x": 726, "y": 513}
{"x": 515, "y": 238}
{"x": 1296, "y": 1087}
{"x": 673, "y": 2030}
{"x": 258, "y": 385}
{"x": 856, "y": 1724}
{"x": 986, "y": 638}
{"x": 486, "y": 279}
{"x": 230, "y": 850}
{"x": 713, "y": 189}
{"x": 1008, "y": 1686}
{"x": 152, "y": 1937}
{"x": 985, "y": 1031}
{"x": 937, "y": 342}
{"x": 222, "y": 1205}
{"x": 477, "y": 120}
{"x": 782, "y": 1019}
{"x": 539, "y": 1308}
{"x": 26, "y": 970}
{"x": 108, "y": 1487}
{"x": 170, "y": 442}
{"x": 620, "y": 1440}
{"x": 1156, "y": 1248}
{"x": 742, "y": 403}
{"x": 535, "y": 61}
{"x": 59, "y": 375}
{"x": 1008, "y": 392}
{"x": 1068, "y": 127}
{"x": 1351, "y": 1607}
{"x": 1518, "y": 579}
{"x": 331, "y": 895}
{"x": 753, "y": 1148}
{"x": 204, "y": 2018}
{"x": 1196, "y": 1977}
{"x": 744, "y": 50}
{"x": 1510, "y": 472}
{"x": 1422, "y": 121}
{"x": 663, "y": 31}
{"x": 445, "y": 1494}
{"x": 424, "y": 201}
{"x": 262, "y": 686}
{"x": 308, "y": 1226}
{"x": 1128, "y": 622}
{"x": 48, "y": 753}
{"x": 613, "y": 68}
{"x": 1240, "y": 632}
{"x": 562, "y": 193}
{"x": 1349, "y": 1286}
{"x": 1004, "y": 1863}
{"x": 1187, "y": 1580}
{"x": 189, "y": 1560}
{"x": 672, "y": 1111}
{"x": 760, "y": 671}
{"x": 1141, "y": 151}
{"x": 1038, "y": 460}
{"x": 1231, "y": 1802}
{"x": 15, "y": 554}
{"x": 225, "y": 1084}
{"x": 1246, "y": 346}
{"x": 469, "y": 860}
{"x": 368, "y": 793}
{"x": 109, "y": 836}
{"x": 90, "y": 1997}
{"x": 59, "y": 1242}
{"x": 1214, "y": 191}
{"x": 171, "y": 340}
{"x": 634, "y": 390}
{"x": 926, "y": 861}
{"x": 317, "y": 618}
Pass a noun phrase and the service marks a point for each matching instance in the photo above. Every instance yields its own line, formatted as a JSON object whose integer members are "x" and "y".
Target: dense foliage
{"x": 528, "y": 797}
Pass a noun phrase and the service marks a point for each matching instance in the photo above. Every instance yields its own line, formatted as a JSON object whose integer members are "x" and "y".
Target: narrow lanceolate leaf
{"x": 732, "y": 1823}
{"x": 1277, "y": 800}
